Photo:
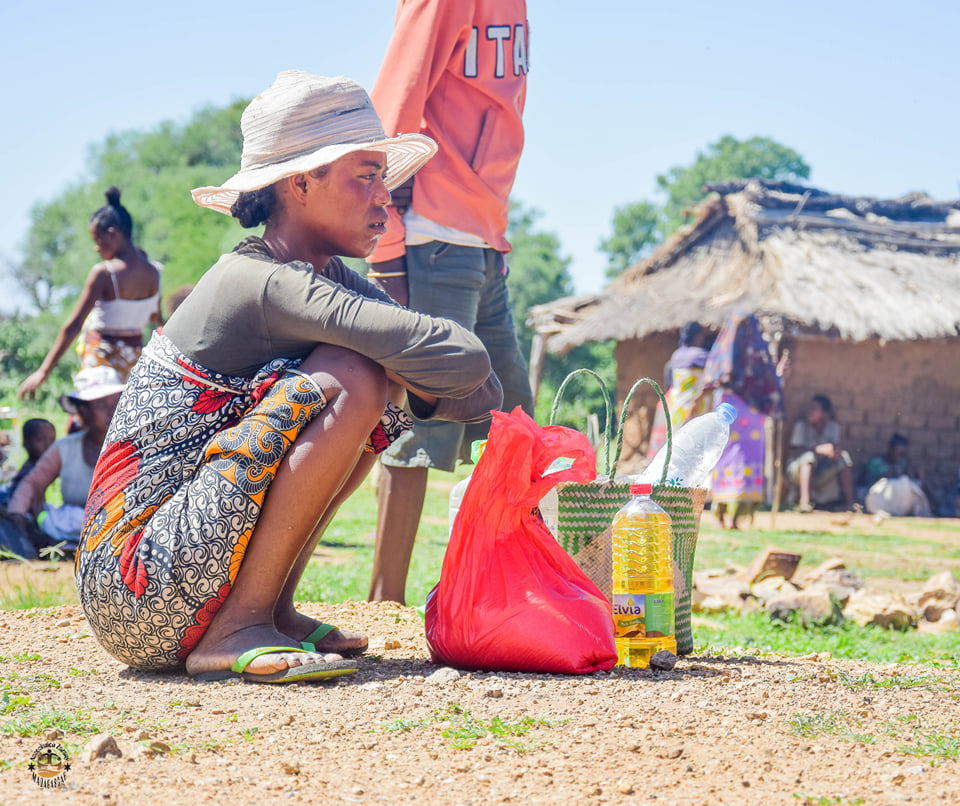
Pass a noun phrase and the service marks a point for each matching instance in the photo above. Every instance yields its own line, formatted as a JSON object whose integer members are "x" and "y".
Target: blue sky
{"x": 619, "y": 91}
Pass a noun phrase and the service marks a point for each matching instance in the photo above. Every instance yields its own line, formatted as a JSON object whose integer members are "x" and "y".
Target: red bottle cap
{"x": 641, "y": 489}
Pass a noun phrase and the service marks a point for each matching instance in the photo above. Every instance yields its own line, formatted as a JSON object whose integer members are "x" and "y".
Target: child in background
{"x": 38, "y": 435}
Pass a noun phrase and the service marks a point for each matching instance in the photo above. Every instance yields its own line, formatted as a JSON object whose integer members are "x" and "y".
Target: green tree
{"x": 726, "y": 159}
{"x": 635, "y": 230}
{"x": 640, "y": 226}
{"x": 538, "y": 274}
{"x": 156, "y": 170}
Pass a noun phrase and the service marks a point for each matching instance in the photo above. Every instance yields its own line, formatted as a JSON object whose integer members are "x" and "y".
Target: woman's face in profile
{"x": 346, "y": 210}
{"x": 106, "y": 243}
{"x": 96, "y": 414}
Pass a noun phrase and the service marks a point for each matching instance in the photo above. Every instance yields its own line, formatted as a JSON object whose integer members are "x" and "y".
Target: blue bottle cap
{"x": 728, "y": 412}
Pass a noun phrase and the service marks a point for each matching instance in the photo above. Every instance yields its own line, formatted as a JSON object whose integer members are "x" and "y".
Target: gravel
{"x": 734, "y": 730}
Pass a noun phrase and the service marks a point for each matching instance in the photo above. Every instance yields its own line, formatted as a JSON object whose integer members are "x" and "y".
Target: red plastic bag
{"x": 509, "y": 597}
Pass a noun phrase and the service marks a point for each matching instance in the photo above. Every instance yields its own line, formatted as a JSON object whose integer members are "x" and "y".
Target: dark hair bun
{"x": 113, "y": 196}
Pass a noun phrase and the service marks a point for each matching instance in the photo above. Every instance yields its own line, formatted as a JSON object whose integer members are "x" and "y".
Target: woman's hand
{"x": 29, "y": 387}
{"x": 784, "y": 365}
{"x": 402, "y": 197}
{"x": 827, "y": 449}
{"x": 395, "y": 286}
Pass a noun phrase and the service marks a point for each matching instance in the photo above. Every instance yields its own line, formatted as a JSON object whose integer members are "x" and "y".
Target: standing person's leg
{"x": 444, "y": 280}
{"x": 800, "y": 473}
{"x": 322, "y": 458}
{"x": 845, "y": 476}
{"x": 399, "y": 506}
{"x": 497, "y": 330}
{"x": 806, "y": 479}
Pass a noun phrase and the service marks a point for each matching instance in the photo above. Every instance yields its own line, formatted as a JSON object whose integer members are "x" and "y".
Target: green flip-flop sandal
{"x": 294, "y": 674}
{"x": 310, "y": 642}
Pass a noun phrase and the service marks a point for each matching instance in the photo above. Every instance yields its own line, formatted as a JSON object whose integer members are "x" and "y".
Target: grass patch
{"x": 844, "y": 726}
{"x": 463, "y": 731}
{"x": 23, "y": 657}
{"x": 18, "y": 684}
{"x": 933, "y": 744}
{"x": 916, "y": 740}
{"x": 33, "y": 591}
{"x": 899, "y": 681}
{"x": 33, "y": 723}
{"x": 756, "y": 633}
{"x": 869, "y": 551}
{"x": 207, "y": 745}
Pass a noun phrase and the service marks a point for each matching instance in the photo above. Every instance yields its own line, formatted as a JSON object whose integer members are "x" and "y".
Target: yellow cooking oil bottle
{"x": 642, "y": 579}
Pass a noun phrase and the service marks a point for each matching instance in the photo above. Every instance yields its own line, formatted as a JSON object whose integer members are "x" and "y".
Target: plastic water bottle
{"x": 456, "y": 498}
{"x": 643, "y": 608}
{"x": 697, "y": 447}
{"x": 460, "y": 488}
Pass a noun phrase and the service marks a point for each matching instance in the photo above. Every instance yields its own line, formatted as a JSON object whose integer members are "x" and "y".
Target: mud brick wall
{"x": 876, "y": 388}
{"x": 880, "y": 388}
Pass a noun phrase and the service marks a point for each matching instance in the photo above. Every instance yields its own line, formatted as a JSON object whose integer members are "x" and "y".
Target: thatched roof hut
{"x": 851, "y": 267}
{"x": 848, "y": 283}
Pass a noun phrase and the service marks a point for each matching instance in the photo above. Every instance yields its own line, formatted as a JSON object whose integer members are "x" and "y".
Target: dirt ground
{"x": 731, "y": 730}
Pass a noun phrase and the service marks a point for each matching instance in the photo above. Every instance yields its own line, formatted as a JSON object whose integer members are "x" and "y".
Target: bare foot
{"x": 298, "y": 627}
{"x": 213, "y": 655}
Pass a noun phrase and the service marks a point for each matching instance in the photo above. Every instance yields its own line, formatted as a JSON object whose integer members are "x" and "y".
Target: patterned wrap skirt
{"x": 177, "y": 492}
{"x": 111, "y": 350}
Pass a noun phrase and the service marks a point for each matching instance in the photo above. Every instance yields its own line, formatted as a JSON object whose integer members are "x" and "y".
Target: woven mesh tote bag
{"x": 586, "y": 513}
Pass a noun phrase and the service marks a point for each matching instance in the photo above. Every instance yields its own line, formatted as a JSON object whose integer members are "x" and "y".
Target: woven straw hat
{"x": 303, "y": 121}
{"x": 91, "y": 383}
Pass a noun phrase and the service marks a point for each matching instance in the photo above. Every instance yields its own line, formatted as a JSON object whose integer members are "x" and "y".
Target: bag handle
{"x": 608, "y": 464}
{"x": 607, "y": 423}
{"x": 666, "y": 416}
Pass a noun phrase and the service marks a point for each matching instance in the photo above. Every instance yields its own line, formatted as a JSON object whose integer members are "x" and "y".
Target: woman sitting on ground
{"x": 120, "y": 298}
{"x": 261, "y": 405}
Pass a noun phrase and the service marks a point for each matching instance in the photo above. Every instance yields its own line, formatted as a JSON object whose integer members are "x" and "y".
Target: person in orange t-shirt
{"x": 456, "y": 72}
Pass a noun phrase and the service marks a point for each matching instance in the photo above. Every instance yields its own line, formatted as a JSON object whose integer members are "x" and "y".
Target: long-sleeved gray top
{"x": 250, "y": 308}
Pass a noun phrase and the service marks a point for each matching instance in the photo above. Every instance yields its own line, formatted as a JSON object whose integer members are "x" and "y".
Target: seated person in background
{"x": 821, "y": 470}
{"x": 894, "y": 488}
{"x": 72, "y": 458}
{"x": 38, "y": 435}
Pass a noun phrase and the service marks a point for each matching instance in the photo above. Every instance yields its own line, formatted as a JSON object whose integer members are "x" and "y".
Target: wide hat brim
{"x": 406, "y": 154}
{"x": 68, "y": 401}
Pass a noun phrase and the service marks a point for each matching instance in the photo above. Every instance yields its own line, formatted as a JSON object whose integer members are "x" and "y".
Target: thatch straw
{"x": 803, "y": 260}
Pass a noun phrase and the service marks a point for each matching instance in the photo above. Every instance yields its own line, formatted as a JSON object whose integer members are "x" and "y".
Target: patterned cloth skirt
{"x": 683, "y": 402}
{"x": 738, "y": 476}
{"x": 102, "y": 349}
{"x": 177, "y": 492}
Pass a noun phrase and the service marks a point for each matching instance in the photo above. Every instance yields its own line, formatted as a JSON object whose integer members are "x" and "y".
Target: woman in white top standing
{"x": 121, "y": 296}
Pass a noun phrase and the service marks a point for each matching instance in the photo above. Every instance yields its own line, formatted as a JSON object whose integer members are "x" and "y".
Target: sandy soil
{"x": 713, "y": 730}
